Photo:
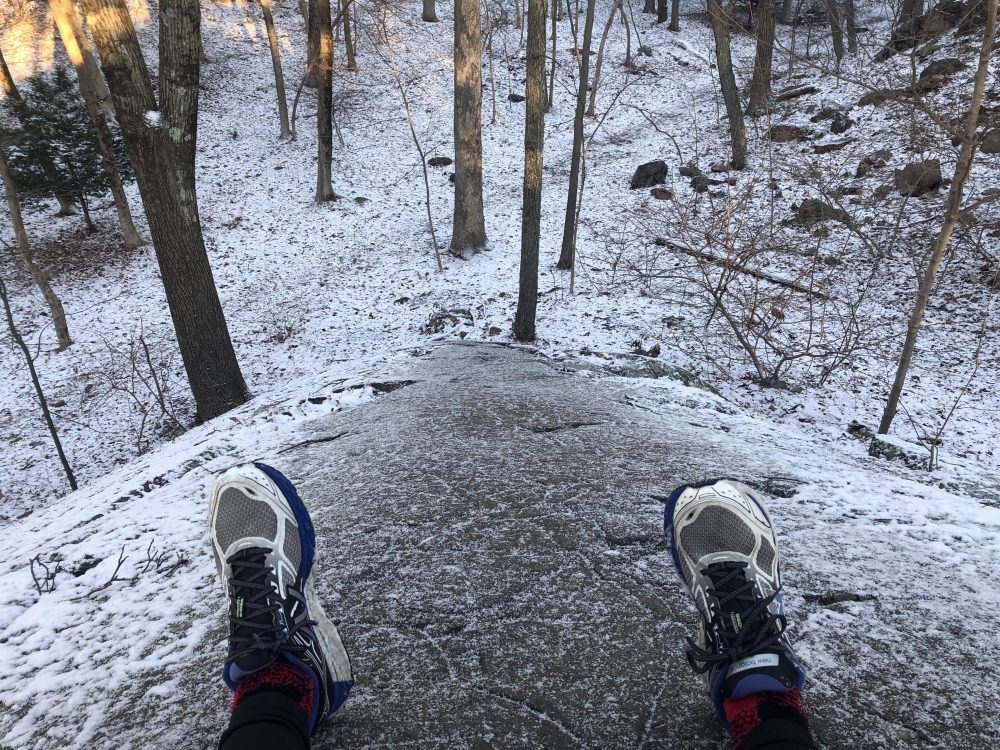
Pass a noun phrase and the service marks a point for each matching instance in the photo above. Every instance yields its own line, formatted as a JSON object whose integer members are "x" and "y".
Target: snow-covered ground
{"x": 317, "y": 296}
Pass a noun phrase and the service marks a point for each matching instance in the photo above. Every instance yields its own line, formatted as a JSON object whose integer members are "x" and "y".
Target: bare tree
{"x": 469, "y": 226}
{"x": 851, "y": 23}
{"x": 552, "y": 68}
{"x": 24, "y": 249}
{"x": 675, "y": 16}
{"x": 279, "y": 76}
{"x": 430, "y": 13}
{"x": 649, "y": 6}
{"x": 39, "y": 393}
{"x": 953, "y": 211}
{"x": 47, "y": 164}
{"x": 615, "y": 8}
{"x": 833, "y": 12}
{"x": 161, "y": 140}
{"x": 64, "y": 14}
{"x": 727, "y": 79}
{"x": 760, "y": 83}
{"x": 344, "y": 15}
{"x": 662, "y": 11}
{"x": 324, "y": 103}
{"x": 531, "y": 200}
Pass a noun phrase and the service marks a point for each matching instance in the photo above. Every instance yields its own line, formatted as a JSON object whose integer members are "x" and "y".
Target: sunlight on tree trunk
{"x": 469, "y": 226}
{"x": 24, "y": 249}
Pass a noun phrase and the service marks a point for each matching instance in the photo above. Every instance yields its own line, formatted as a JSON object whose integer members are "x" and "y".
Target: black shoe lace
{"x": 758, "y": 630}
{"x": 260, "y": 624}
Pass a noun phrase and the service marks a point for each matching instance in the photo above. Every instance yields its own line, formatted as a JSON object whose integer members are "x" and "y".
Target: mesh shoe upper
{"x": 263, "y": 542}
{"x": 724, "y": 547}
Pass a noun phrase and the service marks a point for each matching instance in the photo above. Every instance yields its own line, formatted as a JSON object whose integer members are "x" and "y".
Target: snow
{"x": 318, "y": 298}
{"x": 152, "y": 118}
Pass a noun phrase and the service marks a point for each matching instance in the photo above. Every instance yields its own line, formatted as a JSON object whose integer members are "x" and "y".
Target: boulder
{"x": 439, "y": 161}
{"x": 516, "y": 98}
{"x": 918, "y": 177}
{"x": 662, "y": 194}
{"x": 831, "y": 146}
{"x": 812, "y": 211}
{"x": 883, "y": 446}
{"x": 877, "y": 159}
{"x": 880, "y": 96}
{"x": 689, "y": 170}
{"x": 649, "y": 174}
{"x": 795, "y": 92}
{"x": 841, "y": 123}
{"x": 700, "y": 183}
{"x": 944, "y": 67}
{"x": 990, "y": 142}
{"x": 786, "y": 133}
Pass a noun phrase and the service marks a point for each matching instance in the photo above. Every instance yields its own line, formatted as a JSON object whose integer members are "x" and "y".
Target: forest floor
{"x": 324, "y": 299}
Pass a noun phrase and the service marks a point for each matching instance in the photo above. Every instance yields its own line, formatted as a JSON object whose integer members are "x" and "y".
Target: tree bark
{"x": 662, "y": 11}
{"x": 552, "y": 69}
{"x": 852, "y": 26}
{"x": 953, "y": 209}
{"x": 24, "y": 249}
{"x": 312, "y": 46}
{"x": 324, "y": 103}
{"x": 568, "y": 252}
{"x": 786, "y": 11}
{"x": 161, "y": 145}
{"x": 279, "y": 75}
{"x": 345, "y": 14}
{"x": 64, "y": 12}
{"x": 47, "y": 164}
{"x": 39, "y": 393}
{"x": 64, "y": 15}
{"x": 675, "y": 16}
{"x": 430, "y": 13}
{"x": 727, "y": 80}
{"x": 531, "y": 198}
{"x": 649, "y": 6}
{"x": 591, "y": 108}
{"x": 469, "y": 226}
{"x": 760, "y": 84}
{"x": 833, "y": 12}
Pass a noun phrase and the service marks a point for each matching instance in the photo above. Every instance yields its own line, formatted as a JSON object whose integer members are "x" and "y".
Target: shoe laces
{"x": 259, "y": 623}
{"x": 744, "y": 624}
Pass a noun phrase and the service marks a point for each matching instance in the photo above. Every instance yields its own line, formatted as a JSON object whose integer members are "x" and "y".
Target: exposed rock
{"x": 944, "y": 67}
{"x": 786, "y": 133}
{"x": 880, "y": 96}
{"x": 878, "y": 159}
{"x": 917, "y": 30}
{"x": 649, "y": 174}
{"x": 883, "y": 446}
{"x": 516, "y": 98}
{"x": 831, "y": 146}
{"x": 829, "y": 112}
{"x": 795, "y": 92}
{"x": 442, "y": 318}
{"x": 841, "y": 123}
{"x": 689, "y": 170}
{"x": 812, "y": 211}
{"x": 439, "y": 161}
{"x": 645, "y": 49}
{"x": 848, "y": 190}
{"x": 662, "y": 194}
{"x": 719, "y": 166}
{"x": 918, "y": 177}
{"x": 700, "y": 183}
{"x": 990, "y": 143}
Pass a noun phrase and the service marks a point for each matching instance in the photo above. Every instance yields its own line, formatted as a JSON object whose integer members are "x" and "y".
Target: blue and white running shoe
{"x": 264, "y": 545}
{"x": 724, "y": 548}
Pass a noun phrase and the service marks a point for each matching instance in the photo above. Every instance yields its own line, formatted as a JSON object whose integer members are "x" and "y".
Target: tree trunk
{"x": 312, "y": 46}
{"x": 786, "y": 11}
{"x": 649, "y": 6}
{"x": 852, "y": 26}
{"x": 906, "y": 12}
{"x": 760, "y": 84}
{"x": 24, "y": 249}
{"x": 600, "y": 59}
{"x": 628, "y": 35}
{"x": 345, "y": 13}
{"x": 430, "y": 13}
{"x": 531, "y": 201}
{"x": 64, "y": 14}
{"x": 469, "y": 226}
{"x": 279, "y": 75}
{"x": 727, "y": 79}
{"x": 39, "y": 393}
{"x": 82, "y": 57}
{"x": 552, "y": 69}
{"x": 47, "y": 164}
{"x": 662, "y": 11}
{"x": 161, "y": 146}
{"x": 675, "y": 16}
{"x": 324, "y": 103}
{"x": 835, "y": 26}
{"x": 568, "y": 252}
{"x": 953, "y": 208}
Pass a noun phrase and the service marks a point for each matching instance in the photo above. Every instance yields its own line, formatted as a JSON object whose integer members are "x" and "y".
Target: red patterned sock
{"x": 745, "y": 714}
{"x": 278, "y": 675}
